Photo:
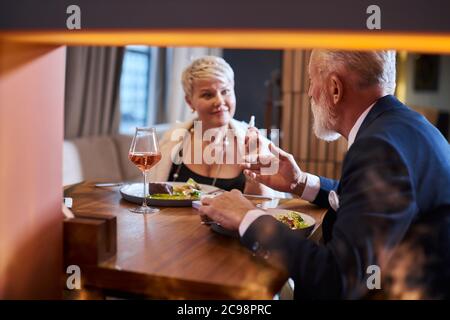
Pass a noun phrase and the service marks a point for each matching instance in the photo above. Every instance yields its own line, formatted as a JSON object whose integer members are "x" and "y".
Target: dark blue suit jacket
{"x": 394, "y": 197}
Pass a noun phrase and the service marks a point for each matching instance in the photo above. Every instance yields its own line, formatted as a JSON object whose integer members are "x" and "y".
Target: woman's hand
{"x": 255, "y": 145}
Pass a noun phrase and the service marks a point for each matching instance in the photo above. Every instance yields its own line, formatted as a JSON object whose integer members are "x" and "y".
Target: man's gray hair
{"x": 208, "y": 67}
{"x": 372, "y": 67}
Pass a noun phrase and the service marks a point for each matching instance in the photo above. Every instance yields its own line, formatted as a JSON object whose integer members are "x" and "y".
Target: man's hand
{"x": 227, "y": 209}
{"x": 286, "y": 179}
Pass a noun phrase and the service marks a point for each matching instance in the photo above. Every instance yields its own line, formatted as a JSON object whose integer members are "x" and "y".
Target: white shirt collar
{"x": 357, "y": 125}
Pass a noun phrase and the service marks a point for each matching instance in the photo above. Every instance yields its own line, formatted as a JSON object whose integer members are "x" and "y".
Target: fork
{"x": 214, "y": 191}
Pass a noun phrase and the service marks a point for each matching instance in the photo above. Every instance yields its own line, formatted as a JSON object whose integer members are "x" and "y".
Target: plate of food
{"x": 297, "y": 221}
{"x": 167, "y": 194}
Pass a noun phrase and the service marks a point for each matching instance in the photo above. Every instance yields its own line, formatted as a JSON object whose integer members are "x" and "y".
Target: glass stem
{"x": 144, "y": 204}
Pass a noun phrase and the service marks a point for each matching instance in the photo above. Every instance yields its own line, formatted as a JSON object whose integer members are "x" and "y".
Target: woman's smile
{"x": 220, "y": 110}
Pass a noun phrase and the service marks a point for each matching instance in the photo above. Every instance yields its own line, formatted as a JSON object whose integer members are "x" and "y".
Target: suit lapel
{"x": 382, "y": 105}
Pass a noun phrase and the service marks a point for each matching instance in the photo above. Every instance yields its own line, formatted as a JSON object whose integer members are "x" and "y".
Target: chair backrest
{"x": 128, "y": 170}
{"x": 439, "y": 118}
{"x": 94, "y": 158}
{"x": 72, "y": 170}
{"x": 99, "y": 158}
{"x": 428, "y": 112}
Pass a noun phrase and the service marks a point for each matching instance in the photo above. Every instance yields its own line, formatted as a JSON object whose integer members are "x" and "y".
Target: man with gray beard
{"x": 390, "y": 211}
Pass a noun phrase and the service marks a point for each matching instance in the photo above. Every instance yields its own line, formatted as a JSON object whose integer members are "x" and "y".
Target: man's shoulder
{"x": 401, "y": 127}
{"x": 400, "y": 115}
{"x": 400, "y": 136}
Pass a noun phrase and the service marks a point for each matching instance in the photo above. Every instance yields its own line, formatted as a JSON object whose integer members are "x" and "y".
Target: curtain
{"x": 166, "y": 92}
{"x": 92, "y": 91}
{"x": 158, "y": 85}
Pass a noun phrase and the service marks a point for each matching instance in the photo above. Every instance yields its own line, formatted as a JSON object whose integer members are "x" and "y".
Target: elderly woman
{"x": 208, "y": 84}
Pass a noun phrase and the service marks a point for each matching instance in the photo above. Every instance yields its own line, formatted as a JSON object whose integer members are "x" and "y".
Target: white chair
{"x": 99, "y": 158}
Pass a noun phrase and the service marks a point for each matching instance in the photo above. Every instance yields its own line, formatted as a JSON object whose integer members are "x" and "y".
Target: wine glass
{"x": 144, "y": 153}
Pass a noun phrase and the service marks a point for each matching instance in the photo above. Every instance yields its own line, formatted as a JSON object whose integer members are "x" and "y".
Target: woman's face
{"x": 214, "y": 101}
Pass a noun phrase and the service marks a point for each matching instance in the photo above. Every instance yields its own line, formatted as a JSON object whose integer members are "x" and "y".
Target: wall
{"x": 439, "y": 99}
{"x": 31, "y": 135}
{"x": 252, "y": 69}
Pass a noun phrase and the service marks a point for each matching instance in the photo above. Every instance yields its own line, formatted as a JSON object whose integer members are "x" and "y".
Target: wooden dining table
{"x": 172, "y": 255}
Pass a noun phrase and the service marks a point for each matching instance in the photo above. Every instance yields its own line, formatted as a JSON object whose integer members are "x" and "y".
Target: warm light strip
{"x": 255, "y": 39}
{"x": 400, "y": 91}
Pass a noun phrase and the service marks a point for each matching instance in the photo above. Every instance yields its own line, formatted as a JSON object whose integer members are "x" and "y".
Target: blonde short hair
{"x": 206, "y": 68}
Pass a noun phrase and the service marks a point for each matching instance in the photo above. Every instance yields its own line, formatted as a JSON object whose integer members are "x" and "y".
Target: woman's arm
{"x": 254, "y": 187}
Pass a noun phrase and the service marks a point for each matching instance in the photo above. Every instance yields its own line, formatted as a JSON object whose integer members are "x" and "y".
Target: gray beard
{"x": 323, "y": 121}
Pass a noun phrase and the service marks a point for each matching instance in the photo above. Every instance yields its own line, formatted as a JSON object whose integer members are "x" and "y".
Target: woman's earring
{"x": 192, "y": 110}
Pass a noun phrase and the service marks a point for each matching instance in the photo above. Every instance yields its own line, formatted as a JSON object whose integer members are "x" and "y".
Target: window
{"x": 134, "y": 88}
{"x": 150, "y": 86}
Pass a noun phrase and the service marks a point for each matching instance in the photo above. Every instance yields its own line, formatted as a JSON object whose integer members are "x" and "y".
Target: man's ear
{"x": 335, "y": 88}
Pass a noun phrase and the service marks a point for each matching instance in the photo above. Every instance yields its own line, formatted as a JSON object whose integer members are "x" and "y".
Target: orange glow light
{"x": 245, "y": 39}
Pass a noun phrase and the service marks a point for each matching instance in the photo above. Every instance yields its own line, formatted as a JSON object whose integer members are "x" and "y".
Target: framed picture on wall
{"x": 426, "y": 72}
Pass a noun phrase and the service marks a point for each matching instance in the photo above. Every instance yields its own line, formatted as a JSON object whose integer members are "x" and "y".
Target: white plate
{"x": 304, "y": 232}
{"x": 134, "y": 193}
{"x": 310, "y": 221}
